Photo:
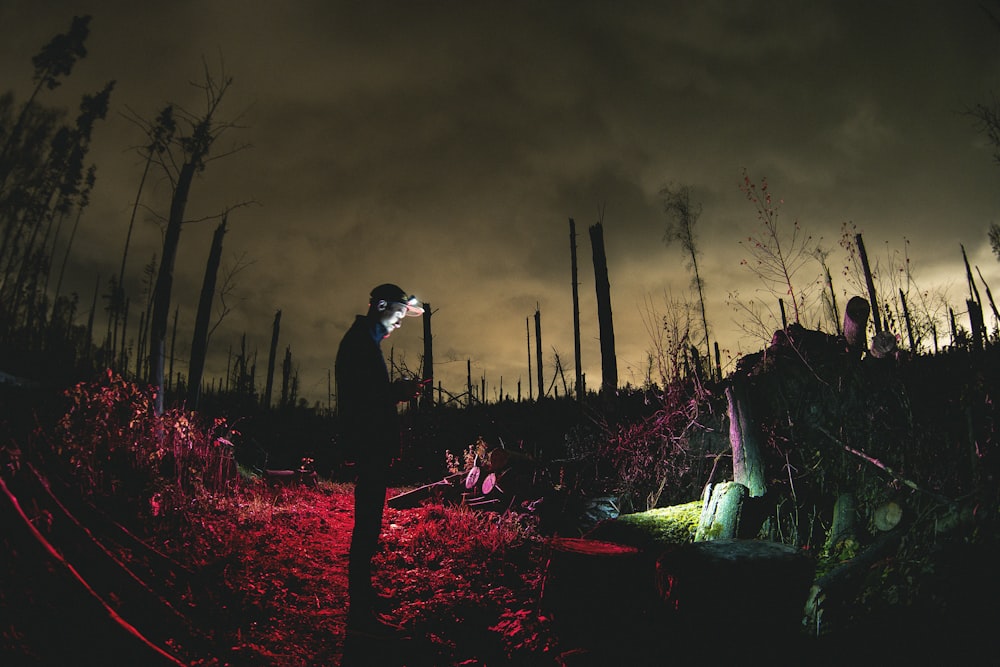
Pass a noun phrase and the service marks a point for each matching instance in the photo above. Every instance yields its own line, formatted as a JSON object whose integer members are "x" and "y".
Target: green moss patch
{"x": 653, "y": 528}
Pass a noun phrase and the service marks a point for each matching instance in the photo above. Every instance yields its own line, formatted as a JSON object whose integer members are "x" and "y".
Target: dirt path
{"x": 258, "y": 580}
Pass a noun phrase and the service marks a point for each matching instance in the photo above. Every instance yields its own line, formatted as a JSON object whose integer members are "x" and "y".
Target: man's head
{"x": 390, "y": 304}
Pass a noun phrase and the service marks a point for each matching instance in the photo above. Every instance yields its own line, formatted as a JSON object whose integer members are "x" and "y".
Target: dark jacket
{"x": 366, "y": 401}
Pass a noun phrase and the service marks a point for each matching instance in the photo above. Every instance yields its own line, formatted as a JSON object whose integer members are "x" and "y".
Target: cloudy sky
{"x": 444, "y": 146}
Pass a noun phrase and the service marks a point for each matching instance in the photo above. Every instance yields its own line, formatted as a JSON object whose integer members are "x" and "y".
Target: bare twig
{"x": 878, "y": 464}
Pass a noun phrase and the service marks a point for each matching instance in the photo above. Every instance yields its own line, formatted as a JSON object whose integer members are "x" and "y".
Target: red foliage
{"x": 112, "y": 442}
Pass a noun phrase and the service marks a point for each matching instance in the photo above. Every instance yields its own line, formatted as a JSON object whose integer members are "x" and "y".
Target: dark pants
{"x": 369, "y": 503}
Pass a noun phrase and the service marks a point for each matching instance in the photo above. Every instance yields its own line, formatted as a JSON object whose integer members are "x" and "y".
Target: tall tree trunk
{"x": 989, "y": 297}
{"x": 199, "y": 343}
{"x": 123, "y": 362}
{"x": 576, "y": 312}
{"x": 976, "y": 323}
{"x": 833, "y": 299}
{"x": 909, "y": 324}
{"x": 876, "y": 314}
{"x": 165, "y": 281}
{"x": 427, "y": 399}
{"x": 609, "y": 363}
{"x": 173, "y": 348}
{"x": 538, "y": 353}
{"x": 527, "y": 330}
{"x": 286, "y": 377}
{"x": 139, "y": 347}
{"x": 275, "y": 328}
{"x": 90, "y": 319}
{"x": 973, "y": 291}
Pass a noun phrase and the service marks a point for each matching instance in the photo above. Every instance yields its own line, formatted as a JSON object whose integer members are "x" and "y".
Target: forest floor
{"x": 259, "y": 578}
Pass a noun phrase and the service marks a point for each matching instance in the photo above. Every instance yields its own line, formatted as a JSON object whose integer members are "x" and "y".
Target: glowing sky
{"x": 444, "y": 146}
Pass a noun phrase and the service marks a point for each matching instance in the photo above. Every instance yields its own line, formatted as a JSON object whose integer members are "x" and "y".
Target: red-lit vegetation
{"x": 151, "y": 518}
{"x": 230, "y": 569}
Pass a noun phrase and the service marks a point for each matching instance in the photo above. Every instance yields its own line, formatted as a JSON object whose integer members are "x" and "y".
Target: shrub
{"x": 114, "y": 443}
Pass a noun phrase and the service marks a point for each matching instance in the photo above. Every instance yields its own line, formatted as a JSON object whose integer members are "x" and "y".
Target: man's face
{"x": 392, "y": 316}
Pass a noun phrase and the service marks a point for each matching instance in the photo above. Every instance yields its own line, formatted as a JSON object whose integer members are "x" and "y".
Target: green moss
{"x": 663, "y": 525}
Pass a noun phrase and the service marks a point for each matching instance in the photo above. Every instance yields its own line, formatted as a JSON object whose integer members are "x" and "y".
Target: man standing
{"x": 369, "y": 421}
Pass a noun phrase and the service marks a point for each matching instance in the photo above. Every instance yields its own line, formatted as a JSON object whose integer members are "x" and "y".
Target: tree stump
{"x": 856, "y": 325}
{"x": 748, "y": 461}
{"x": 727, "y": 590}
{"x": 592, "y": 587}
{"x": 842, "y": 529}
{"x": 721, "y": 510}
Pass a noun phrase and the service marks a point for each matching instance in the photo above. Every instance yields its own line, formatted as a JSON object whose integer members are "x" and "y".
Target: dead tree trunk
{"x": 269, "y": 384}
{"x": 609, "y": 363}
{"x": 165, "y": 283}
{"x": 870, "y": 282}
{"x": 975, "y": 323}
{"x": 468, "y": 381}
{"x": 748, "y": 462}
{"x": 989, "y": 297}
{"x": 199, "y": 345}
{"x": 909, "y": 324}
{"x": 194, "y": 150}
{"x": 427, "y": 400}
{"x": 527, "y": 331}
{"x": 576, "y": 312}
{"x": 173, "y": 347}
{"x": 286, "y": 378}
{"x": 538, "y": 353}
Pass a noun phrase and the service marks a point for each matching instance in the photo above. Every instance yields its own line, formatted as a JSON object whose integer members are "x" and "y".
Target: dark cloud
{"x": 444, "y": 146}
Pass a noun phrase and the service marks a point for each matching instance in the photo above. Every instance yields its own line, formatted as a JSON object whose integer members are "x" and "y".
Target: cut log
{"x": 291, "y": 477}
{"x": 720, "y": 514}
{"x": 884, "y": 345}
{"x": 856, "y": 325}
{"x": 887, "y": 516}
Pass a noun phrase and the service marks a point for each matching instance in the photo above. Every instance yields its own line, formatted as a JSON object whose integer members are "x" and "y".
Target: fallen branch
{"x": 97, "y": 543}
{"x": 878, "y": 464}
{"x": 95, "y": 514}
{"x": 58, "y": 557}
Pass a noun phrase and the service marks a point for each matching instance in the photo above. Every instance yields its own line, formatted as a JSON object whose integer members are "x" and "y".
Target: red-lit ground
{"x": 261, "y": 580}
{"x": 453, "y": 576}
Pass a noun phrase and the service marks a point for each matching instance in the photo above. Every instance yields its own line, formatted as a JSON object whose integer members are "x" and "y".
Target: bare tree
{"x": 777, "y": 255}
{"x": 190, "y": 149}
{"x": 605, "y": 319}
{"x": 269, "y": 383}
{"x": 226, "y": 290}
{"x": 199, "y": 344}
{"x": 682, "y": 216}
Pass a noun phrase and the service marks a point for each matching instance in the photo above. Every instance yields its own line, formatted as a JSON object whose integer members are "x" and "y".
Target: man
{"x": 366, "y": 406}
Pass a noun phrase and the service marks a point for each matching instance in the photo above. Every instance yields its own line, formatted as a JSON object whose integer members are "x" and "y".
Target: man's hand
{"x": 407, "y": 388}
